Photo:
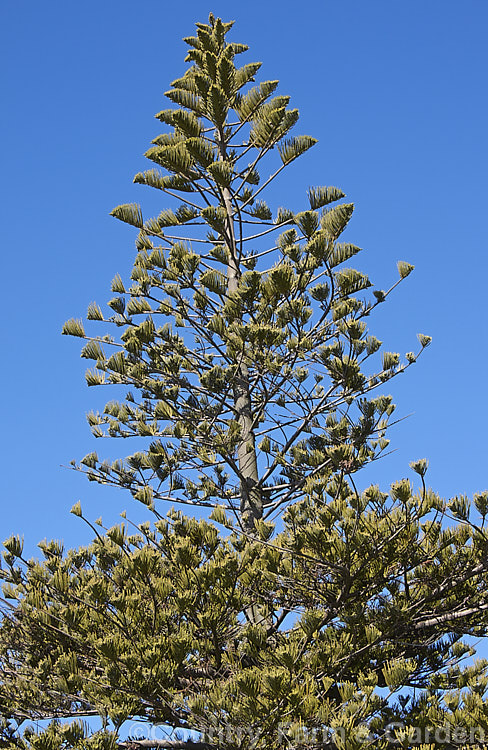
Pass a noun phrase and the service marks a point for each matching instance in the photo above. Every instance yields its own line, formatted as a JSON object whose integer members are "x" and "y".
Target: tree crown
{"x": 243, "y": 332}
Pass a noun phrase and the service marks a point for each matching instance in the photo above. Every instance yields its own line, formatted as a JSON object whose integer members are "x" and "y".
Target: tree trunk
{"x": 251, "y": 505}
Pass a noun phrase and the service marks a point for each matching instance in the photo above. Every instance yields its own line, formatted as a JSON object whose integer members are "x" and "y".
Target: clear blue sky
{"x": 396, "y": 93}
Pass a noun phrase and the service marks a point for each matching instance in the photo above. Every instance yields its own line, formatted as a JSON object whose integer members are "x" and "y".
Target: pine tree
{"x": 256, "y": 393}
{"x": 243, "y": 332}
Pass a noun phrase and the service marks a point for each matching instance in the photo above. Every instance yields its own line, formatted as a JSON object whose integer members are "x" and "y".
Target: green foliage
{"x": 253, "y": 387}
{"x": 130, "y": 213}
{"x": 404, "y": 269}
{"x": 369, "y": 581}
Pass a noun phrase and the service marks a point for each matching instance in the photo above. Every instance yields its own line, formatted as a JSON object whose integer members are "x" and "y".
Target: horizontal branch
{"x": 440, "y": 619}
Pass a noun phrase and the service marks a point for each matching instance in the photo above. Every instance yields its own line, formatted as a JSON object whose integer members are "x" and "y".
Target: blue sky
{"x": 396, "y": 94}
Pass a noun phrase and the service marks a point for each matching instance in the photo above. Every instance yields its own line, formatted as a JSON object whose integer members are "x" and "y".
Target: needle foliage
{"x": 290, "y": 610}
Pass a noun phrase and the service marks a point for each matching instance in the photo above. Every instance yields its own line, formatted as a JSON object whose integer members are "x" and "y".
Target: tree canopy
{"x": 295, "y": 611}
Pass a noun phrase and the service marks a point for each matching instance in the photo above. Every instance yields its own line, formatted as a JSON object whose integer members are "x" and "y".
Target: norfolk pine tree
{"x": 300, "y": 613}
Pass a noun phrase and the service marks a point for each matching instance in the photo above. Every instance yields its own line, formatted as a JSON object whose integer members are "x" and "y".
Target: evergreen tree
{"x": 243, "y": 332}
{"x": 256, "y": 393}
